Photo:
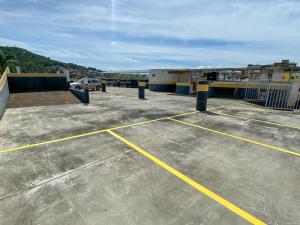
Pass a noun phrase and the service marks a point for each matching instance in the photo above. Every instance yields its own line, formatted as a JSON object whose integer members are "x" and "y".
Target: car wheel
{"x": 98, "y": 88}
{"x": 77, "y": 87}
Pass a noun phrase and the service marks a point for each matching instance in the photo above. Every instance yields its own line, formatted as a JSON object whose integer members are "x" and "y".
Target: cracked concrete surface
{"x": 99, "y": 180}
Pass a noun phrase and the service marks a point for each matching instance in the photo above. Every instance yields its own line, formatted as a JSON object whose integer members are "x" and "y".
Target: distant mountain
{"x": 33, "y": 63}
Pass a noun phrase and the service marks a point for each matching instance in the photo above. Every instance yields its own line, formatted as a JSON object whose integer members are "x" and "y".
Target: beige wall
{"x": 168, "y": 76}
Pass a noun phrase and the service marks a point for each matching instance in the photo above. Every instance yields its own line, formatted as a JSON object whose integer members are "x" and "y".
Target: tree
{"x": 6, "y": 61}
{"x": 2, "y": 61}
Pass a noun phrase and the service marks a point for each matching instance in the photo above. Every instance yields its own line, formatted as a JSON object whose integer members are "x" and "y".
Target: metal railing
{"x": 285, "y": 96}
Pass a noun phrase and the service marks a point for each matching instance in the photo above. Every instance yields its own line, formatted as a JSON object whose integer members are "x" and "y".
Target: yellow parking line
{"x": 238, "y": 137}
{"x": 95, "y": 132}
{"x": 51, "y": 141}
{"x": 261, "y": 121}
{"x": 150, "y": 121}
{"x": 192, "y": 183}
{"x": 87, "y": 134}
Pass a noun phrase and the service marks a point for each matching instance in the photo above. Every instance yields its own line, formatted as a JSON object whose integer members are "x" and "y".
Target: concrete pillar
{"x": 142, "y": 86}
{"x": 202, "y": 94}
{"x": 103, "y": 85}
{"x": 293, "y": 95}
{"x": 87, "y": 96}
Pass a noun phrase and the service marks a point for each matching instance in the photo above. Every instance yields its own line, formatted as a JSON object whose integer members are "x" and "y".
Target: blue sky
{"x": 143, "y": 34}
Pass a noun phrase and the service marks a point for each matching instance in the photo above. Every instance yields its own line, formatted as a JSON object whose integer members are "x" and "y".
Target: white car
{"x": 93, "y": 84}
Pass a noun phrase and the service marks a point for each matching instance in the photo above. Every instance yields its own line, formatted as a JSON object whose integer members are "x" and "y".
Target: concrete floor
{"x": 98, "y": 179}
{"x": 43, "y": 98}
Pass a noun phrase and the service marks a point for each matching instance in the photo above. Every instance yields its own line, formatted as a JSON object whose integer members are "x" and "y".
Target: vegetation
{"x": 6, "y": 60}
{"x": 33, "y": 63}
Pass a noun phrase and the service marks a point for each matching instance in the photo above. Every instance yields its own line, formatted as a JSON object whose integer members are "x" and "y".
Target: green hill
{"x": 30, "y": 62}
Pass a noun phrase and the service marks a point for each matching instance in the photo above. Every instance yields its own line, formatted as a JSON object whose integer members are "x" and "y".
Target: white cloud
{"x": 14, "y": 43}
{"x": 79, "y": 31}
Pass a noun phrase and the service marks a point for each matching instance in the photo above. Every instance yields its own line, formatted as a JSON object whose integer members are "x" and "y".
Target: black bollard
{"x": 87, "y": 96}
{"x": 142, "y": 90}
{"x": 103, "y": 85}
{"x": 202, "y": 94}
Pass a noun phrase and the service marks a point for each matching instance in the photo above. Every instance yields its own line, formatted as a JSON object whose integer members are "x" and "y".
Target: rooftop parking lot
{"x": 121, "y": 160}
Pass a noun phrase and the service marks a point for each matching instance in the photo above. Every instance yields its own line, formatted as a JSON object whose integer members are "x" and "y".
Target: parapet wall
{"x": 4, "y": 92}
{"x": 28, "y": 82}
{"x": 82, "y": 95}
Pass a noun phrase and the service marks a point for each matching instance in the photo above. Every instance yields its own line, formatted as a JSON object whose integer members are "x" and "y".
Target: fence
{"x": 285, "y": 96}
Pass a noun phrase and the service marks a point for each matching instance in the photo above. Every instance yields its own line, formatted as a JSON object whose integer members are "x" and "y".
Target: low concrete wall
{"x": 4, "y": 92}
{"x": 82, "y": 95}
{"x": 220, "y": 92}
{"x": 37, "y": 82}
{"x": 163, "y": 87}
{"x": 184, "y": 88}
